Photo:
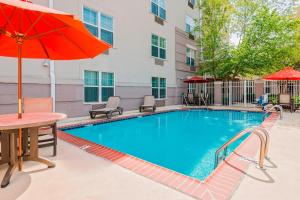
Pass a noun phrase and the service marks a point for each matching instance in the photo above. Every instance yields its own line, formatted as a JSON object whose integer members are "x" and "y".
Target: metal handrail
{"x": 267, "y": 140}
{"x": 264, "y": 144}
{"x": 276, "y": 106}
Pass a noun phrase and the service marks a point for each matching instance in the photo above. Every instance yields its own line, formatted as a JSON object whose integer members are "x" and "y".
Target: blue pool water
{"x": 183, "y": 141}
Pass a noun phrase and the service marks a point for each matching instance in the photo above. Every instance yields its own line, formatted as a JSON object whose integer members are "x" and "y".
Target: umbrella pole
{"x": 20, "y": 43}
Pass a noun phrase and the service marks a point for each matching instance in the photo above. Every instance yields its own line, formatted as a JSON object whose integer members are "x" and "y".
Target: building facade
{"x": 153, "y": 50}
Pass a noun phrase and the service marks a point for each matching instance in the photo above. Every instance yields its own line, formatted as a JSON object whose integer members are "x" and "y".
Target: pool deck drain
{"x": 221, "y": 184}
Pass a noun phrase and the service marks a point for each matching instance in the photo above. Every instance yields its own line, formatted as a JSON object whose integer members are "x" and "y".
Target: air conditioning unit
{"x": 159, "y": 62}
{"x": 158, "y": 20}
{"x": 190, "y": 5}
{"x": 191, "y": 36}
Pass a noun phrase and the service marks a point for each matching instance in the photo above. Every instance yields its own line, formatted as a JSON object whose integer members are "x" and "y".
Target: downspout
{"x": 52, "y": 73}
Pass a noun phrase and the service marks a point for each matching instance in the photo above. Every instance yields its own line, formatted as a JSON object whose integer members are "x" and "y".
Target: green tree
{"x": 267, "y": 37}
{"x": 269, "y": 42}
{"x": 213, "y": 29}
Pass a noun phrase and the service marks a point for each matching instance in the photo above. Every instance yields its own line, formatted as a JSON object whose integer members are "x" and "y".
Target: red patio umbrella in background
{"x": 196, "y": 79}
{"x": 286, "y": 74}
{"x": 31, "y": 31}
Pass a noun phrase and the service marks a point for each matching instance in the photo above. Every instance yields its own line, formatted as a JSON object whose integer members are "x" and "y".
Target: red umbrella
{"x": 196, "y": 79}
{"x": 32, "y": 31}
{"x": 288, "y": 73}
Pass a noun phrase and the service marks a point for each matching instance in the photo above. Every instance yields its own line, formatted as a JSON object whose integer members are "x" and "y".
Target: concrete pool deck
{"x": 80, "y": 175}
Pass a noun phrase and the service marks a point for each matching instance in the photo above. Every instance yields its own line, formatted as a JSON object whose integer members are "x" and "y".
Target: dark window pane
{"x": 155, "y": 92}
{"x": 162, "y": 82}
{"x": 162, "y": 93}
{"x": 154, "y": 8}
{"x": 188, "y": 61}
{"x": 162, "y": 54}
{"x": 107, "y": 79}
{"x": 93, "y": 30}
{"x": 154, "y": 82}
{"x": 154, "y": 51}
{"x": 91, "y": 94}
{"x": 107, "y": 36}
{"x": 192, "y": 62}
{"x": 106, "y": 93}
{"x": 91, "y": 78}
{"x": 162, "y": 13}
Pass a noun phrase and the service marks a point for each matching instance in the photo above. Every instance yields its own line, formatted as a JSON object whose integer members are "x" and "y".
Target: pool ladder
{"x": 272, "y": 108}
{"x": 264, "y": 137}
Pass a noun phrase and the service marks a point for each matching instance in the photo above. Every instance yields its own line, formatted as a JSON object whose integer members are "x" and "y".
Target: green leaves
{"x": 268, "y": 37}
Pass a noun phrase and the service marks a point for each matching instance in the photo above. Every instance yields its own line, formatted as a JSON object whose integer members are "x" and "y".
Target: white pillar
{"x": 245, "y": 93}
{"x": 230, "y": 93}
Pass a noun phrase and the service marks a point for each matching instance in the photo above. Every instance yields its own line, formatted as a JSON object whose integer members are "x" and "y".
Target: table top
{"x": 28, "y": 120}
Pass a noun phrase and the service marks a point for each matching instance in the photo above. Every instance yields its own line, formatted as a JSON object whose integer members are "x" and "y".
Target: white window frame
{"x": 192, "y": 88}
{"x": 165, "y": 8}
{"x": 192, "y": 52}
{"x": 99, "y": 86}
{"x": 158, "y": 88}
{"x": 99, "y": 25}
{"x": 158, "y": 47}
{"x": 187, "y": 23}
{"x": 97, "y": 15}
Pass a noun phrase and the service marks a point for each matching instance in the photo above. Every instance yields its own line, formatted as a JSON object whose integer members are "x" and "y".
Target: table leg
{"x": 13, "y": 159}
{"x": 34, "y": 150}
{"x": 4, "y": 148}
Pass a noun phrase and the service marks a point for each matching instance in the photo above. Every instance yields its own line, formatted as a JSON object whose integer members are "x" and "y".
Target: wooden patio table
{"x": 9, "y": 124}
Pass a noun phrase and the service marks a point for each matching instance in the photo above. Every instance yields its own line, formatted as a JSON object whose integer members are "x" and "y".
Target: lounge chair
{"x": 149, "y": 103}
{"x": 286, "y": 101}
{"x": 47, "y": 134}
{"x": 263, "y": 101}
{"x": 111, "y": 107}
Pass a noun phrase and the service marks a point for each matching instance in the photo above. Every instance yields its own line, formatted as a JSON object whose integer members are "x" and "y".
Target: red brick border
{"x": 220, "y": 185}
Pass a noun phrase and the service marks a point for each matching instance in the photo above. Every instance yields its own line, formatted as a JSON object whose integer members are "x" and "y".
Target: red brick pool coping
{"x": 220, "y": 185}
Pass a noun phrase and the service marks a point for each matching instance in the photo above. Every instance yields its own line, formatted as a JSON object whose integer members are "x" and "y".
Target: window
{"x": 158, "y": 48}
{"x": 108, "y": 85}
{"x": 90, "y": 19}
{"x": 93, "y": 91}
{"x": 192, "y": 88}
{"x": 99, "y": 25}
{"x": 158, "y": 8}
{"x": 91, "y": 86}
{"x": 189, "y": 25}
{"x": 159, "y": 87}
{"x": 190, "y": 57}
{"x": 107, "y": 29}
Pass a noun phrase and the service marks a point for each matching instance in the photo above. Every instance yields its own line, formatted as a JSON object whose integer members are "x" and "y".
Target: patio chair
{"x": 149, "y": 103}
{"x": 286, "y": 101}
{"x": 190, "y": 98}
{"x": 111, "y": 107}
{"x": 263, "y": 101}
{"x": 47, "y": 134}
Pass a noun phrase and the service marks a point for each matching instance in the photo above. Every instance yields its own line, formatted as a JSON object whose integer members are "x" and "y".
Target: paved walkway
{"x": 79, "y": 175}
{"x": 281, "y": 179}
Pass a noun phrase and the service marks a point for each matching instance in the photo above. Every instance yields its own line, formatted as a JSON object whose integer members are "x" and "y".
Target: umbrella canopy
{"x": 196, "y": 79}
{"x": 288, "y": 73}
{"x": 44, "y": 33}
{"x": 32, "y": 31}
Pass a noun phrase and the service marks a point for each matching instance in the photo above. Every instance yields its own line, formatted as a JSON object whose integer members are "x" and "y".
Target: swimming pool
{"x": 184, "y": 141}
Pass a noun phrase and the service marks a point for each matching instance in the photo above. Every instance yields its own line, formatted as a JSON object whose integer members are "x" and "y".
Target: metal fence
{"x": 273, "y": 88}
{"x": 238, "y": 93}
{"x": 243, "y": 93}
